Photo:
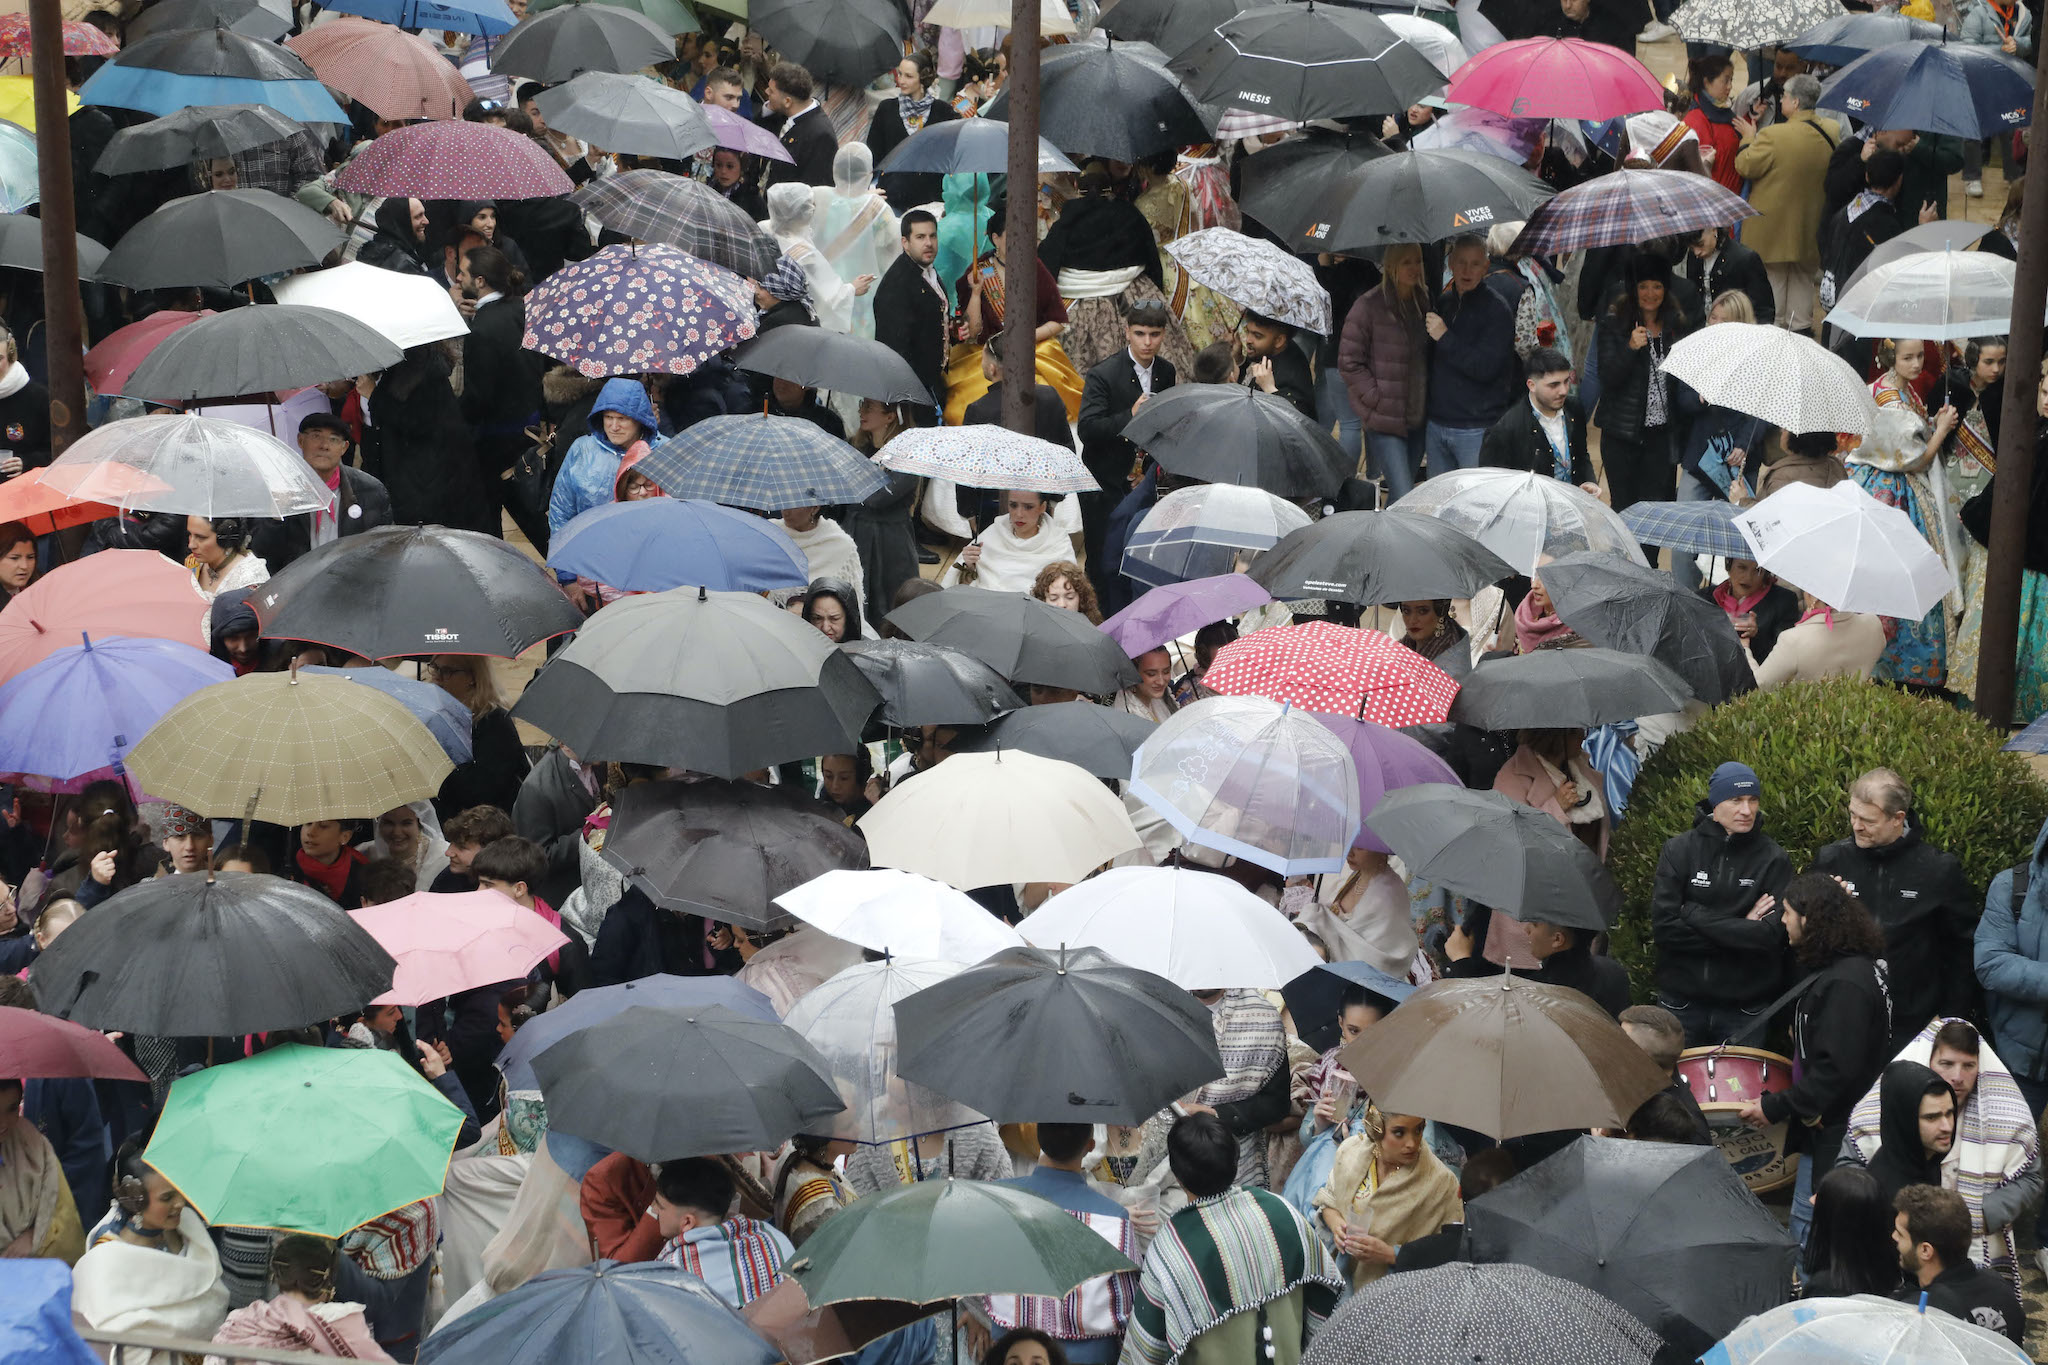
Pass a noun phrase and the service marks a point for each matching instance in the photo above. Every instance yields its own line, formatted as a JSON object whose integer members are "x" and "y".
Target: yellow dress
{"x": 964, "y": 381}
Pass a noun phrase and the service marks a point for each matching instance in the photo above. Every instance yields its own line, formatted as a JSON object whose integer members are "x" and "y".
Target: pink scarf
{"x": 1533, "y": 631}
{"x": 1818, "y": 609}
{"x": 286, "y": 1324}
{"x": 1734, "y": 606}
{"x": 553, "y": 917}
{"x": 333, "y": 504}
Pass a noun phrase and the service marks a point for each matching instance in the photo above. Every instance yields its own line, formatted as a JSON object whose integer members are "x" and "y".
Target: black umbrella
{"x": 717, "y": 682}
{"x": 214, "y": 51}
{"x": 1020, "y": 637}
{"x": 1466, "y": 1312}
{"x": 661, "y": 1083}
{"x": 260, "y": 349}
{"x": 1302, "y": 62}
{"x": 403, "y": 591}
{"x": 1619, "y": 604}
{"x": 1501, "y": 853}
{"x": 822, "y": 359}
{"x": 570, "y": 39}
{"x": 844, "y": 41}
{"x": 196, "y": 133}
{"x": 220, "y": 238}
{"x": 1554, "y": 689}
{"x": 264, "y": 20}
{"x": 1669, "y": 1233}
{"x": 1111, "y": 102}
{"x": 1227, "y": 433}
{"x": 1345, "y": 192}
{"x": 197, "y": 956}
{"x": 927, "y": 684}
{"x": 1171, "y": 25}
{"x": 21, "y": 246}
{"x": 726, "y": 850}
{"x": 1375, "y": 557}
{"x": 1102, "y": 739}
{"x": 1070, "y": 1036}
{"x": 1315, "y": 999}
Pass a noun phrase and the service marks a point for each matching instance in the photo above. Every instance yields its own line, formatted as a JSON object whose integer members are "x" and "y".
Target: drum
{"x": 1724, "y": 1079}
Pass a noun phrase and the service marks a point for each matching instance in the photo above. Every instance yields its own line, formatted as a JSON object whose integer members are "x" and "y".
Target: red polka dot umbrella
{"x": 80, "y": 39}
{"x": 1336, "y": 669}
{"x": 454, "y": 159}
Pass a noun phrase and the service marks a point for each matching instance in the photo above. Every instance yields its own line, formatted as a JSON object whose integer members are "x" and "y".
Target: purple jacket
{"x": 1375, "y": 357}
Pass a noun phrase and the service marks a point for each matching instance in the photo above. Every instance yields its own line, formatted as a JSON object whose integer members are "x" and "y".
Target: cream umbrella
{"x": 1199, "y": 930}
{"x": 900, "y": 913}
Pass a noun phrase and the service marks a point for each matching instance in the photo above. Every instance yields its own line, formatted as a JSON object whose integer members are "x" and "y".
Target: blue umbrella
{"x": 446, "y": 719}
{"x": 1842, "y": 40}
{"x": 166, "y": 92}
{"x": 1958, "y": 89}
{"x": 1315, "y": 998}
{"x": 18, "y": 184}
{"x": 650, "y": 1312}
{"x": 1701, "y": 528}
{"x": 35, "y": 1315}
{"x": 967, "y": 146}
{"x": 659, "y": 543}
{"x": 107, "y": 694}
{"x": 459, "y": 16}
{"x": 763, "y": 463}
{"x": 589, "y": 1007}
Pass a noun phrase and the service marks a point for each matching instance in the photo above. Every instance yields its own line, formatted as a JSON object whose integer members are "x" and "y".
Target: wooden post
{"x": 63, "y": 309}
{"x": 1020, "y": 224}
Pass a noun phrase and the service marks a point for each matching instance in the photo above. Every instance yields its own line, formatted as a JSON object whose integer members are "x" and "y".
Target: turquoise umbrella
{"x": 18, "y": 184}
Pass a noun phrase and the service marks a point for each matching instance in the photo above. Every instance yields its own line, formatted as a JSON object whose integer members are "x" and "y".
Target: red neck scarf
{"x": 331, "y": 878}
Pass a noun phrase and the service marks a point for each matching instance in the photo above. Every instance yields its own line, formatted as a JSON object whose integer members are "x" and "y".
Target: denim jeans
{"x": 1333, "y": 408}
{"x": 1451, "y": 448}
{"x": 1685, "y": 565}
{"x": 1396, "y": 461}
{"x": 1709, "y": 1022}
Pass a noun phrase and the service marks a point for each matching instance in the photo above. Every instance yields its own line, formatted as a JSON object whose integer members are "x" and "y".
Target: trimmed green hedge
{"x": 1807, "y": 742}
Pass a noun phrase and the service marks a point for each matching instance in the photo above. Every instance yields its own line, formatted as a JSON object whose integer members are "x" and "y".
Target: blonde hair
{"x": 483, "y": 689}
{"x": 1733, "y": 306}
{"x": 1415, "y": 302}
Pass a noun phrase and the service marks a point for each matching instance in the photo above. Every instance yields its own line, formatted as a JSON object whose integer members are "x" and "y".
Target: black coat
{"x": 1839, "y": 1048}
{"x": 744, "y": 197}
{"x": 25, "y": 424}
{"x": 1107, "y": 395}
{"x": 812, "y": 411}
{"x": 1735, "y": 267}
{"x": 1845, "y": 242}
{"x": 810, "y": 139}
{"x": 1708, "y": 880}
{"x": 494, "y": 772}
{"x": 364, "y": 506}
{"x": 549, "y": 809}
{"x": 1292, "y": 379}
{"x": 1601, "y": 979}
{"x": 1099, "y": 232}
{"x": 1977, "y": 513}
{"x": 886, "y": 540}
{"x": 905, "y": 190}
{"x": 1048, "y": 413}
{"x": 640, "y": 939}
{"x": 416, "y": 442}
{"x": 551, "y": 231}
{"x": 1518, "y": 441}
{"x": 910, "y": 319}
{"x": 1625, "y": 373}
{"x": 500, "y": 381}
{"x": 1975, "y": 1294}
{"x": 1928, "y": 911}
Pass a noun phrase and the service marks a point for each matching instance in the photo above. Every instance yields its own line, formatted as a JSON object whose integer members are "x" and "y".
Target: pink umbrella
{"x": 450, "y": 943}
{"x": 1556, "y": 78}
{"x": 398, "y": 75}
{"x": 109, "y": 364}
{"x": 454, "y": 159}
{"x": 744, "y": 135}
{"x": 33, "y": 1045}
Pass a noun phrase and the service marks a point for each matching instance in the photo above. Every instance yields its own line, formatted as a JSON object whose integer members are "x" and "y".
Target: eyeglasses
{"x": 450, "y": 671}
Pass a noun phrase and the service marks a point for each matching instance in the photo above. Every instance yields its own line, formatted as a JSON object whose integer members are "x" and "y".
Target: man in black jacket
{"x": 500, "y": 378}
{"x": 1564, "y": 957}
{"x": 1858, "y": 227}
{"x": 1921, "y": 900}
{"x": 803, "y": 125}
{"x": 1110, "y": 396}
{"x": 910, "y": 307}
{"x": 1547, "y": 434}
{"x": 1719, "y": 956}
{"x": 1274, "y": 364}
{"x": 1932, "y": 1232}
{"x": 360, "y": 504}
{"x": 1717, "y": 263}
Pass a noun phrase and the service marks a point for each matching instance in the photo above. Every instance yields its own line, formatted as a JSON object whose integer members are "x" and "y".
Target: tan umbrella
{"x": 1503, "y": 1056}
{"x": 288, "y": 749}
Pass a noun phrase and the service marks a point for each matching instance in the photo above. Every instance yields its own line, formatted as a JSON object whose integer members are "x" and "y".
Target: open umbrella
{"x": 1556, "y": 78}
{"x": 901, "y": 914}
{"x": 1110, "y": 102}
{"x": 1845, "y": 37}
{"x": 265, "y": 20}
{"x": 454, "y": 159}
{"x": 744, "y": 135}
{"x": 1503, "y": 1056}
{"x": 1102, "y": 739}
{"x": 459, "y": 16}
{"x": 1301, "y": 62}
{"x": 201, "y": 957}
{"x": 659, "y": 543}
{"x": 446, "y": 719}
{"x": 1200, "y": 930}
{"x": 1936, "y": 87}
{"x": 36, "y": 1322}
{"x": 1170, "y": 25}
{"x": 108, "y": 695}
{"x": 638, "y": 310}
{"x": 109, "y": 363}
{"x": 1615, "y": 604}
{"x": 200, "y": 466}
{"x": 1933, "y": 295}
{"x": 979, "y": 456}
{"x": 1255, "y": 274}
{"x": 1345, "y": 193}
{"x": 821, "y": 359}
{"x": 1021, "y": 638}
{"x": 1567, "y": 688}
{"x": 927, "y": 684}
{"x": 76, "y": 38}
{"x": 1786, "y": 379}
{"x": 194, "y": 134}
{"x": 1338, "y": 670}
{"x": 34, "y": 1044}
{"x": 1847, "y": 549}
{"x": 1862, "y": 1327}
{"x": 570, "y": 39}
{"x": 20, "y": 180}
{"x": 1941, "y": 234}
{"x": 1472, "y": 1312}
{"x": 966, "y": 146}
{"x": 21, "y": 245}
{"x": 599, "y": 1003}
{"x": 114, "y": 592}
{"x": 448, "y": 943}
{"x": 628, "y": 113}
{"x": 651, "y": 1311}
{"x": 851, "y": 1021}
{"x": 409, "y": 310}
{"x": 677, "y": 211}
{"x": 803, "y": 1335}
{"x": 1231, "y": 433}
{"x": 761, "y": 463}
{"x": 1523, "y": 516}
{"x": 43, "y": 509}
{"x": 178, "y": 68}
{"x": 260, "y": 349}
{"x": 1067, "y": 1036}
{"x": 843, "y": 41}
{"x": 1052, "y": 15}
{"x": 667, "y": 13}
{"x": 1747, "y": 26}
{"x": 1498, "y": 851}
{"x": 1315, "y": 999}
{"x": 17, "y": 101}
{"x": 1203, "y": 531}
{"x": 1702, "y": 528}
{"x": 1630, "y": 205}
{"x": 1375, "y": 557}
{"x": 1387, "y": 760}
{"x": 1167, "y": 613}
{"x": 392, "y": 73}
{"x": 304, "y": 1139}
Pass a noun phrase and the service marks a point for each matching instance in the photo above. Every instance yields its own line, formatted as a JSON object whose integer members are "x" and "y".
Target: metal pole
{"x": 1020, "y": 224}
{"x": 63, "y": 310}
{"x": 1998, "y": 647}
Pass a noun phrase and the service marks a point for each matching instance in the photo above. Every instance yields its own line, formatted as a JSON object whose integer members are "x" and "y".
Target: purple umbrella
{"x": 644, "y": 309}
{"x": 743, "y": 135}
{"x": 83, "y": 708}
{"x": 1387, "y": 760}
{"x": 1169, "y": 612}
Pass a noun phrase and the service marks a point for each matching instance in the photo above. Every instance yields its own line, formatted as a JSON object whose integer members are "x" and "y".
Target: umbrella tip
{"x": 703, "y": 594}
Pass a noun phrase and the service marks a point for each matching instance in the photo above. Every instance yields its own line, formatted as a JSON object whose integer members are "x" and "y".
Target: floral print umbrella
{"x": 1256, "y": 275}
{"x": 638, "y": 310}
{"x": 80, "y": 39}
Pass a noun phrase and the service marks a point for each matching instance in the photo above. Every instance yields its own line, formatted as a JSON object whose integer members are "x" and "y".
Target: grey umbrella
{"x": 842, "y": 41}
{"x": 1019, "y": 637}
{"x": 928, "y": 684}
{"x": 1466, "y": 1312}
{"x": 267, "y": 20}
{"x": 260, "y": 349}
{"x": 21, "y": 246}
{"x": 571, "y": 39}
{"x": 1374, "y": 557}
{"x": 1619, "y": 604}
{"x": 628, "y": 113}
{"x": 656, "y": 206}
{"x": 196, "y": 133}
{"x": 1501, "y": 853}
{"x": 1102, "y": 739}
{"x": 1227, "y": 433}
{"x": 1112, "y": 102}
{"x": 1567, "y": 689}
{"x": 821, "y": 359}
{"x": 220, "y": 238}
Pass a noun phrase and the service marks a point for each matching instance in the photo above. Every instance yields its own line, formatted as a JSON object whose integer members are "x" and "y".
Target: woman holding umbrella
{"x": 1637, "y": 411}
{"x": 882, "y": 533}
{"x": 1009, "y": 555}
{"x": 1386, "y": 1190}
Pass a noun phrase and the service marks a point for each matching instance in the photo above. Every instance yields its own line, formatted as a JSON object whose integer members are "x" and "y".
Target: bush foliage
{"x": 1807, "y": 742}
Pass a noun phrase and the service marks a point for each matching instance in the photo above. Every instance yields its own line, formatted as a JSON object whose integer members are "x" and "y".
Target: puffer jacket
{"x": 1708, "y": 951}
{"x": 1979, "y": 24}
{"x": 1377, "y": 356}
{"x": 2012, "y": 966}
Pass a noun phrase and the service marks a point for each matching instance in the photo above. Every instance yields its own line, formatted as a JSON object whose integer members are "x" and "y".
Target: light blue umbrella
{"x": 108, "y": 693}
{"x": 166, "y": 92}
{"x": 459, "y": 16}
{"x": 18, "y": 184}
{"x": 446, "y": 719}
{"x": 654, "y": 544}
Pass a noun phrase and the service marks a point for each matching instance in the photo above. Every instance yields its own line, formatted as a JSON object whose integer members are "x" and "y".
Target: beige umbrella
{"x": 991, "y": 819}
{"x": 288, "y": 749}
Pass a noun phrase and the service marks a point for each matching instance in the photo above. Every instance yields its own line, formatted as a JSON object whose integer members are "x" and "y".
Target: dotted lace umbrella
{"x": 638, "y": 310}
{"x": 1341, "y": 670}
{"x": 1778, "y": 376}
{"x": 454, "y": 159}
{"x": 1522, "y": 516}
{"x": 988, "y": 457}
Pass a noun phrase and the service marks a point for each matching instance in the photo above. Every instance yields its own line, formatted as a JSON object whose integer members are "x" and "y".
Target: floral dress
{"x": 1893, "y": 468}
{"x": 1968, "y": 464}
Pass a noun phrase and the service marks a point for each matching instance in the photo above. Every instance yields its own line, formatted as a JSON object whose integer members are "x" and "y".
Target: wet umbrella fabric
{"x": 928, "y": 684}
{"x": 654, "y": 544}
{"x": 763, "y": 464}
{"x": 454, "y": 159}
{"x": 1203, "y": 532}
{"x": 219, "y": 239}
{"x": 1347, "y": 193}
{"x": 1567, "y": 688}
{"x": 185, "y": 463}
{"x": 108, "y": 694}
{"x": 179, "y": 68}
{"x": 1619, "y": 605}
{"x": 821, "y": 359}
{"x": 34, "y": 1044}
{"x": 1499, "y": 852}
{"x": 1227, "y": 433}
{"x": 1466, "y": 1312}
{"x": 839, "y": 41}
{"x": 1953, "y": 89}
{"x": 901, "y": 915}
{"x": 966, "y": 146}
{"x": 21, "y": 246}
{"x": 1200, "y": 930}
{"x": 1168, "y": 612}
{"x": 1301, "y": 63}
{"x": 851, "y": 1020}
{"x": 1388, "y": 760}
{"x": 628, "y": 113}
{"x": 1102, "y": 739}
{"x": 563, "y": 43}
{"x": 1374, "y": 557}
{"x": 194, "y": 134}
{"x": 260, "y": 349}
{"x": 649, "y": 1312}
{"x": 1021, "y": 638}
{"x": 677, "y": 211}
{"x": 599, "y": 1003}
{"x": 639, "y": 309}
{"x": 1315, "y": 999}
{"x": 265, "y": 20}
{"x": 1110, "y": 102}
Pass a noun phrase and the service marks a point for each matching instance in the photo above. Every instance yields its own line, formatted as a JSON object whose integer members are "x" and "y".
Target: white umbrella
{"x": 996, "y": 818}
{"x": 1432, "y": 39}
{"x": 1782, "y": 377}
{"x": 1255, "y": 274}
{"x": 406, "y": 310}
{"x": 1053, "y": 19}
{"x": 980, "y": 456}
{"x": 1522, "y": 516}
{"x": 200, "y": 466}
{"x": 1255, "y": 779}
{"x": 1199, "y": 930}
{"x": 851, "y": 1021}
{"x": 1197, "y": 532}
{"x": 1847, "y": 549}
{"x": 900, "y": 913}
{"x": 1931, "y": 295}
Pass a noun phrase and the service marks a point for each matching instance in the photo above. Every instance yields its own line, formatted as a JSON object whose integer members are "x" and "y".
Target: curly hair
{"x": 1091, "y": 606}
{"x": 1837, "y": 924}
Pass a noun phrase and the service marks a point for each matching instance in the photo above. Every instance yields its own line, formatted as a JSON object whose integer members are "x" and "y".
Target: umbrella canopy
{"x": 927, "y": 684}
{"x": 719, "y": 683}
{"x": 201, "y": 957}
{"x": 1199, "y": 930}
{"x": 670, "y": 15}
{"x": 1344, "y": 192}
{"x": 803, "y": 1335}
{"x": 1201, "y": 532}
{"x": 1628, "y": 206}
{"x": 1315, "y": 999}
{"x": 1110, "y": 102}
{"x": 1845, "y": 37}
{"x": 1746, "y": 25}
{"x": 980, "y": 456}
{"x": 990, "y": 819}
{"x": 966, "y": 146}
{"x": 460, "y": 16}
{"x": 664, "y": 1083}
{"x": 564, "y": 42}
{"x": 445, "y": 944}
{"x": 394, "y": 74}
{"x": 744, "y": 135}
{"x": 1340, "y": 670}
{"x": 1052, "y": 15}
{"x": 266, "y": 20}
{"x": 1704, "y": 528}
{"x": 1785, "y": 379}
{"x": 1232, "y": 433}
{"x": 76, "y": 39}
{"x": 1374, "y": 557}
{"x": 1503, "y": 1056}
{"x": 1615, "y": 604}
{"x": 762, "y": 464}
{"x": 43, "y": 509}
{"x": 2032, "y": 740}
{"x": 1942, "y": 234}
{"x": 1102, "y": 739}
{"x": 1936, "y": 87}
{"x": 1669, "y": 1233}
{"x": 1556, "y": 78}
{"x": 1299, "y": 62}
{"x": 1522, "y": 516}
{"x": 20, "y": 183}
{"x": 21, "y": 246}
{"x": 195, "y": 134}
{"x": 402, "y": 591}
{"x": 841, "y": 41}
{"x": 1258, "y": 275}
{"x": 1069, "y": 1036}
{"x": 1255, "y": 779}
{"x": 108, "y": 695}
{"x": 446, "y": 719}
{"x": 1933, "y": 295}
{"x": 1021, "y": 638}
{"x": 455, "y": 159}
{"x": 628, "y": 113}
{"x": 34, "y": 1044}
{"x": 656, "y": 1313}
{"x": 260, "y": 349}
{"x": 1498, "y": 851}
{"x": 851, "y": 1021}
{"x": 1170, "y": 25}
{"x": 178, "y": 68}
{"x": 677, "y": 211}
{"x": 599, "y": 1003}
{"x": 900, "y": 914}
{"x": 1571, "y": 688}
{"x": 1463, "y": 1311}
{"x": 727, "y": 850}
{"x": 1848, "y": 549}
{"x": 821, "y": 359}
{"x": 305, "y": 1139}
{"x": 408, "y": 310}
{"x": 278, "y": 747}
{"x": 213, "y": 51}
{"x": 655, "y": 544}
{"x": 17, "y": 102}
{"x": 200, "y": 466}
{"x": 1167, "y": 613}
{"x": 1863, "y": 1327}
{"x": 1387, "y": 761}
{"x": 108, "y": 364}
{"x": 114, "y": 592}
{"x": 638, "y": 310}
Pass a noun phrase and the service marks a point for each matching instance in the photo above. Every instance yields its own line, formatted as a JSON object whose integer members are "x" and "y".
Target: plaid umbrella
{"x": 1630, "y": 206}
{"x": 395, "y": 74}
{"x": 1318, "y": 666}
{"x": 454, "y": 159}
{"x": 1256, "y": 275}
{"x": 2032, "y": 740}
{"x": 761, "y": 463}
{"x": 1747, "y": 24}
{"x": 80, "y": 39}
{"x": 988, "y": 457}
{"x": 1701, "y": 528}
{"x": 677, "y": 211}
{"x": 638, "y": 310}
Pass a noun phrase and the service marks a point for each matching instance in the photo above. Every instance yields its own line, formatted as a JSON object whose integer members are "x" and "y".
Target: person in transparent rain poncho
{"x": 791, "y": 212}
{"x": 855, "y": 228}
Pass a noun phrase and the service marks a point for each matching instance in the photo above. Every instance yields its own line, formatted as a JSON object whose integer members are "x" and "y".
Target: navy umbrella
{"x": 650, "y": 1312}
{"x": 1842, "y": 40}
{"x": 1954, "y": 88}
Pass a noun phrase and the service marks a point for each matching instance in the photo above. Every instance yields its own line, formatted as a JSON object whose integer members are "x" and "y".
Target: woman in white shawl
{"x": 827, "y": 548}
{"x": 1009, "y": 554}
{"x": 411, "y": 834}
{"x": 855, "y": 228}
{"x": 790, "y": 212}
{"x": 150, "y": 1266}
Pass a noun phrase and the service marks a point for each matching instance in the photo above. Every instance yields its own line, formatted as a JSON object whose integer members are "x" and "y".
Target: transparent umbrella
{"x": 1200, "y": 532}
{"x": 851, "y": 1021}
{"x": 1865, "y": 1327}
{"x": 18, "y": 184}
{"x": 200, "y": 466}
{"x": 1934, "y": 295}
{"x": 1520, "y": 516}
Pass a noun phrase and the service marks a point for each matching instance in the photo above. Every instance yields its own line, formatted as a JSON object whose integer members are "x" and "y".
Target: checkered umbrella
{"x": 638, "y": 310}
{"x": 1747, "y": 25}
{"x": 983, "y": 456}
{"x": 454, "y": 159}
{"x": 1256, "y": 275}
{"x": 1341, "y": 670}
{"x": 761, "y": 463}
{"x": 1701, "y": 528}
{"x": 677, "y": 211}
{"x": 1630, "y": 206}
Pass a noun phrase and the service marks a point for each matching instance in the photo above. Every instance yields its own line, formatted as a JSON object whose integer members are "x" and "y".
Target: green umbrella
{"x": 305, "y": 1139}
{"x": 667, "y": 13}
{"x": 947, "y": 1239}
